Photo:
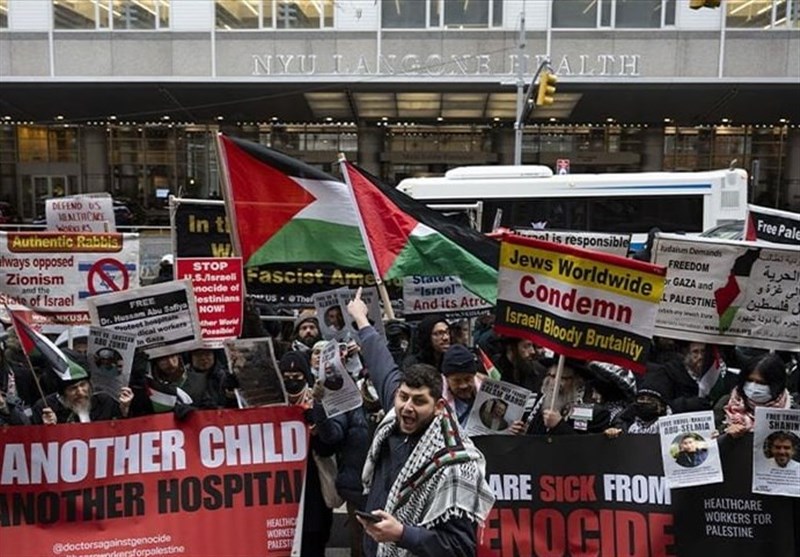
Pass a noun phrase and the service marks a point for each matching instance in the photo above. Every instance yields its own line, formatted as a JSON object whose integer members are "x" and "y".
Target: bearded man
{"x": 520, "y": 363}
{"x": 306, "y": 331}
{"x": 564, "y": 410}
{"x": 782, "y": 448}
{"x": 76, "y": 401}
{"x": 424, "y": 478}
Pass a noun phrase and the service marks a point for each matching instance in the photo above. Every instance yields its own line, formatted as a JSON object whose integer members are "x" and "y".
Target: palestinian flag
{"x": 34, "y": 343}
{"x": 164, "y": 396}
{"x": 772, "y": 225}
{"x": 488, "y": 365}
{"x": 285, "y": 211}
{"x": 406, "y": 238}
{"x": 730, "y": 297}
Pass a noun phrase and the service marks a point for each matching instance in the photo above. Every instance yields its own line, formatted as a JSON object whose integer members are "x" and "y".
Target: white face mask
{"x": 757, "y": 393}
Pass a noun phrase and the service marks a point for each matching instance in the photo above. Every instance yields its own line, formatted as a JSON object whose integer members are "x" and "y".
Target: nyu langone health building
{"x": 126, "y": 96}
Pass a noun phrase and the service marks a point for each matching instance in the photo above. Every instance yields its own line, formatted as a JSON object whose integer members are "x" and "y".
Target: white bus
{"x": 532, "y": 197}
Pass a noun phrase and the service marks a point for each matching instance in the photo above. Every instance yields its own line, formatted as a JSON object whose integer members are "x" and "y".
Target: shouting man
{"x": 425, "y": 482}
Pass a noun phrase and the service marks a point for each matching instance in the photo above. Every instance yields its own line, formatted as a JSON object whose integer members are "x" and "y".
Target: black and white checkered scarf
{"x": 443, "y": 478}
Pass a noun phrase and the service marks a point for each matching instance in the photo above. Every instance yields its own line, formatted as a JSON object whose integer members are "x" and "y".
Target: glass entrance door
{"x": 46, "y": 187}
{"x": 35, "y": 189}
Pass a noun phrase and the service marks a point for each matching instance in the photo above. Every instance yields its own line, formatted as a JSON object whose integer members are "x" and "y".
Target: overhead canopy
{"x": 684, "y": 104}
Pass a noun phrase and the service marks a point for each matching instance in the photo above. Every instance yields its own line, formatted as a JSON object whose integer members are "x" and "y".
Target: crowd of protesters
{"x": 372, "y": 445}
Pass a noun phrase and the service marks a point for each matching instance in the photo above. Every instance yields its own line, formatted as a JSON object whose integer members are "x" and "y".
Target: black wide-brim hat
{"x": 581, "y": 367}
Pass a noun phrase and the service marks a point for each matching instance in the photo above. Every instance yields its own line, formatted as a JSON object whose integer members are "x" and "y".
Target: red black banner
{"x": 728, "y": 519}
{"x": 586, "y": 495}
{"x": 216, "y": 482}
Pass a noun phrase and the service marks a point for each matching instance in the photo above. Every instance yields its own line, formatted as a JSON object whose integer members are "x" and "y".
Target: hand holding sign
{"x": 551, "y": 418}
{"x": 125, "y": 398}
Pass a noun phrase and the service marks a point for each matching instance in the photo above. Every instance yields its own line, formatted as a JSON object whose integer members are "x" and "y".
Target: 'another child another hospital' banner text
{"x": 214, "y": 483}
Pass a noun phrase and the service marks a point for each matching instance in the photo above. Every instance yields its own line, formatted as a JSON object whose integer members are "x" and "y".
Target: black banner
{"x": 585, "y": 495}
{"x": 728, "y": 519}
{"x": 203, "y": 230}
{"x": 771, "y": 227}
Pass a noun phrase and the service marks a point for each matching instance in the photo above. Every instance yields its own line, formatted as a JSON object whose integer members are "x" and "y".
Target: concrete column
{"x": 370, "y": 147}
{"x": 652, "y": 149}
{"x": 792, "y": 172}
{"x": 94, "y": 149}
{"x": 503, "y": 145}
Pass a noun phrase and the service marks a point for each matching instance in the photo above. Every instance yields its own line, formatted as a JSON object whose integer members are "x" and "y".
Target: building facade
{"x": 127, "y": 96}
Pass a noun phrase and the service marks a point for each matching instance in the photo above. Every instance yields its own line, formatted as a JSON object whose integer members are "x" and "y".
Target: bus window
{"x": 490, "y": 208}
{"x": 634, "y": 214}
{"x": 562, "y": 214}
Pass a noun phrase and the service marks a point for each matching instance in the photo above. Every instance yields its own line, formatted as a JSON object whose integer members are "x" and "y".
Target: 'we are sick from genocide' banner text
{"x": 198, "y": 487}
{"x": 574, "y": 496}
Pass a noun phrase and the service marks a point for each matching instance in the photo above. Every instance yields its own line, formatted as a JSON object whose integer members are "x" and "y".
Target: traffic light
{"x": 547, "y": 89}
{"x": 697, "y": 4}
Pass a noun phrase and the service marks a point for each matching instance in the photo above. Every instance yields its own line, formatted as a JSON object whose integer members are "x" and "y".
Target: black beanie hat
{"x": 305, "y": 315}
{"x": 652, "y": 384}
{"x": 294, "y": 361}
{"x": 459, "y": 359}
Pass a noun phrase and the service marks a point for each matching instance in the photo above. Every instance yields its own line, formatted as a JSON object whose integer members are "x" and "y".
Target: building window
{"x": 8, "y": 146}
{"x": 309, "y": 138}
{"x": 202, "y": 178}
{"x": 466, "y": 13}
{"x": 3, "y": 14}
{"x": 241, "y": 14}
{"x": 638, "y": 14}
{"x": 140, "y": 14}
{"x": 762, "y": 14}
{"x": 43, "y": 144}
{"x": 145, "y": 163}
{"x": 274, "y": 14}
{"x": 621, "y": 14}
{"x": 578, "y": 14}
{"x": 451, "y": 14}
{"x": 111, "y": 14}
{"x": 402, "y": 15}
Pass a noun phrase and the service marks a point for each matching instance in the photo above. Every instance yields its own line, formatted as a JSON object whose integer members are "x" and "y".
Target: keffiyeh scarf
{"x": 641, "y": 427}
{"x": 741, "y": 412}
{"x": 442, "y": 479}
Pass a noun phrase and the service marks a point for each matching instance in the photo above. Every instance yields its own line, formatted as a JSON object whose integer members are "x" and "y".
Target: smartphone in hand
{"x": 369, "y": 517}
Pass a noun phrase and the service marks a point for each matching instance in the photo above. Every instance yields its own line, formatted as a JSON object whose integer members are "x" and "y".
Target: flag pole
{"x": 387, "y": 303}
{"x": 230, "y": 212}
{"x": 27, "y": 357}
{"x": 559, "y": 371}
{"x": 35, "y": 379}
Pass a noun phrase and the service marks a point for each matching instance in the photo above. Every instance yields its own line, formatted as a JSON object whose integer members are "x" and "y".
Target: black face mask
{"x": 647, "y": 411}
{"x": 294, "y": 386}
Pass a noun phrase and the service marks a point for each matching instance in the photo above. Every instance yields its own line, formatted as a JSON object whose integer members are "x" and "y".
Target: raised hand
{"x": 125, "y": 398}
{"x": 358, "y": 310}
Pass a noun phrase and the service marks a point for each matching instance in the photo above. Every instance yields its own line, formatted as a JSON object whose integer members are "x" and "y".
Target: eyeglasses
{"x": 443, "y": 333}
